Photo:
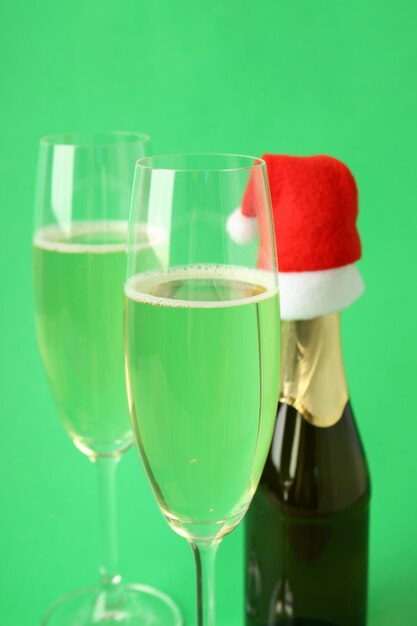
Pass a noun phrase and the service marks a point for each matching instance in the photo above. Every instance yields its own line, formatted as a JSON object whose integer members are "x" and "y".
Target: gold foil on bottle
{"x": 312, "y": 374}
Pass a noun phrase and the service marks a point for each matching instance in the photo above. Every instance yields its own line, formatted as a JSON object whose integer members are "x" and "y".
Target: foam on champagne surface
{"x": 233, "y": 286}
{"x": 98, "y": 237}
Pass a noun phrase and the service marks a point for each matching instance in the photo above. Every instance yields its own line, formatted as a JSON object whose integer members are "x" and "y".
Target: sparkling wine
{"x": 78, "y": 283}
{"x": 202, "y": 366}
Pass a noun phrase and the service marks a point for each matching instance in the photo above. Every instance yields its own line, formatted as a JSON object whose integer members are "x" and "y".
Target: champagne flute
{"x": 201, "y": 346}
{"x": 82, "y": 203}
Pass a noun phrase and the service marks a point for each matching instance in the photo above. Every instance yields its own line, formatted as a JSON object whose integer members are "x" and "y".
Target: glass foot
{"x": 126, "y": 605}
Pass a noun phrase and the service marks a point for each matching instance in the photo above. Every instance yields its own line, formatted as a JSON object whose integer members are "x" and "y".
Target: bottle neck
{"x": 312, "y": 374}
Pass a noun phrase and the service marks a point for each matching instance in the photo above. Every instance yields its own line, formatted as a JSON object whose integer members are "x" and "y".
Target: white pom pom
{"x": 242, "y": 229}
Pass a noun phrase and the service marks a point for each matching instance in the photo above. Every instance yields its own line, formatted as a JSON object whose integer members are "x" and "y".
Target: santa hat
{"x": 315, "y": 206}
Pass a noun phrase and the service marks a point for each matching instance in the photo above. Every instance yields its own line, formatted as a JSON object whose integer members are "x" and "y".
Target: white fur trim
{"x": 242, "y": 229}
{"x": 305, "y": 295}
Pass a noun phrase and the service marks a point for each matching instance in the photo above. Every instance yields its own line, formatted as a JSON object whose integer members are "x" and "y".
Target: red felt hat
{"x": 315, "y": 206}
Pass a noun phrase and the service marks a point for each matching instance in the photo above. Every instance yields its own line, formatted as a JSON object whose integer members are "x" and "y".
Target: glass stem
{"x": 106, "y": 474}
{"x": 205, "y": 558}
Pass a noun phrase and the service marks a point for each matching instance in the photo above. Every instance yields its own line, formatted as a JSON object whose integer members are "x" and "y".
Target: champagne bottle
{"x": 306, "y": 532}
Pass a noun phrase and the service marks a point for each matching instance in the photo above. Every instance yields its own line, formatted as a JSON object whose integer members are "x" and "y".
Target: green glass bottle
{"x": 307, "y": 528}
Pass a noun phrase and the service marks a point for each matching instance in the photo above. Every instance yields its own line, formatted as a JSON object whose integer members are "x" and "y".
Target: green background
{"x": 300, "y": 77}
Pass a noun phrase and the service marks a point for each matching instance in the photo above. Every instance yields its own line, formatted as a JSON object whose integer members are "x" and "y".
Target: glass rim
{"x": 145, "y": 162}
{"x": 87, "y": 138}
